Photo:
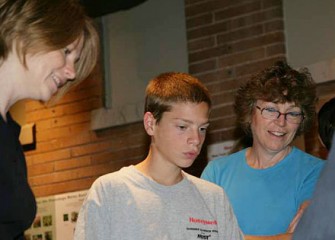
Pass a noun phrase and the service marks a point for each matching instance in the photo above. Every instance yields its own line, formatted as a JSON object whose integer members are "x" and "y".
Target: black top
{"x": 318, "y": 222}
{"x": 17, "y": 202}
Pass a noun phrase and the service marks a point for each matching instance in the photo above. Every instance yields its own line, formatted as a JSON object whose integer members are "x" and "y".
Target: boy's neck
{"x": 160, "y": 174}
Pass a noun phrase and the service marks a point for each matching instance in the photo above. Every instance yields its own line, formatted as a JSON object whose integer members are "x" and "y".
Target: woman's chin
{"x": 45, "y": 97}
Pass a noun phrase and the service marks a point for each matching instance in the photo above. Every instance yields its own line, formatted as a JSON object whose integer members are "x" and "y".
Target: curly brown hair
{"x": 279, "y": 84}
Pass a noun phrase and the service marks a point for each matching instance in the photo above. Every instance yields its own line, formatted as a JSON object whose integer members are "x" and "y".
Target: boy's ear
{"x": 149, "y": 122}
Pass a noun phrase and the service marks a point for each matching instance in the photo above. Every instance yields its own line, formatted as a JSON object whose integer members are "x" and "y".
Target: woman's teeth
{"x": 56, "y": 80}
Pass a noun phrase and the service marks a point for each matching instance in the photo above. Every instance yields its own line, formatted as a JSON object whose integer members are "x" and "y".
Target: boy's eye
{"x": 203, "y": 129}
{"x": 182, "y": 127}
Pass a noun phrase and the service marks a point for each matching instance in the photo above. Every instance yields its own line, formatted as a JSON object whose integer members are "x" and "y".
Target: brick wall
{"x": 227, "y": 41}
{"x": 68, "y": 155}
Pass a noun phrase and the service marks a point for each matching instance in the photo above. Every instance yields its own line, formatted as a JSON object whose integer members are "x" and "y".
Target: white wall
{"x": 139, "y": 44}
{"x": 310, "y": 36}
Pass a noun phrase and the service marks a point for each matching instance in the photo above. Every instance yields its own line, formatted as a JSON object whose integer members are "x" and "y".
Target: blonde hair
{"x": 35, "y": 26}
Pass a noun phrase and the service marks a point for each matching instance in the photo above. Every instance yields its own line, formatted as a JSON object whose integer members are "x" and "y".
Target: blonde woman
{"x": 45, "y": 47}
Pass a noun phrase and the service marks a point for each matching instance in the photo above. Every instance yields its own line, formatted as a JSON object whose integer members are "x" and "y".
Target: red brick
{"x": 49, "y": 156}
{"x": 221, "y": 135}
{"x": 209, "y": 53}
{"x": 238, "y": 10}
{"x": 61, "y": 132}
{"x": 64, "y": 187}
{"x": 223, "y": 123}
{"x": 70, "y": 175}
{"x": 41, "y": 169}
{"x": 201, "y": 20}
{"x": 222, "y": 111}
{"x": 200, "y": 44}
{"x": 227, "y": 97}
{"x": 275, "y": 25}
{"x": 120, "y": 155}
{"x": 66, "y": 120}
{"x": 204, "y": 7}
{"x": 191, "y": 2}
{"x": 72, "y": 163}
{"x": 214, "y": 76}
{"x": 273, "y": 50}
{"x": 61, "y": 110}
{"x": 242, "y": 57}
{"x": 256, "y": 18}
{"x": 66, "y": 142}
{"x": 120, "y": 131}
{"x": 117, "y": 143}
{"x": 258, "y": 41}
{"x": 208, "y": 30}
{"x": 203, "y": 66}
{"x": 240, "y": 34}
{"x": 272, "y": 3}
{"x": 227, "y": 87}
{"x": 254, "y": 67}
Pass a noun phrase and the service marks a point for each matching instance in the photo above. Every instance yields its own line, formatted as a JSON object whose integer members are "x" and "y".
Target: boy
{"x": 156, "y": 199}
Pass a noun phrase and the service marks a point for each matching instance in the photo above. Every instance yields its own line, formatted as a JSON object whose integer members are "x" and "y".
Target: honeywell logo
{"x": 202, "y": 221}
{"x": 203, "y": 236}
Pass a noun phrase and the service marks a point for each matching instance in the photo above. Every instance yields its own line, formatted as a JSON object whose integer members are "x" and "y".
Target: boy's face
{"x": 178, "y": 137}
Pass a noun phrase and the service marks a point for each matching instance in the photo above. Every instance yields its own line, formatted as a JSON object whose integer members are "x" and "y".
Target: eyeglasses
{"x": 291, "y": 117}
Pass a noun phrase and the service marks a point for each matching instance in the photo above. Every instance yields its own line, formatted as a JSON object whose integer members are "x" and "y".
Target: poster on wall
{"x": 56, "y": 217}
{"x": 219, "y": 149}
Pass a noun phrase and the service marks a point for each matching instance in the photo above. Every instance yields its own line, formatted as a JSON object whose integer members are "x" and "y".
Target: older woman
{"x": 45, "y": 47}
{"x": 269, "y": 184}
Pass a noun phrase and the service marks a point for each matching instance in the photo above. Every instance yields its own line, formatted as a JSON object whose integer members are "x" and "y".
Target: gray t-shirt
{"x": 128, "y": 205}
{"x": 318, "y": 222}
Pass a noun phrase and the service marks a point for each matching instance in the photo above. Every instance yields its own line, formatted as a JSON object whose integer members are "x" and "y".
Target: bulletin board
{"x": 56, "y": 217}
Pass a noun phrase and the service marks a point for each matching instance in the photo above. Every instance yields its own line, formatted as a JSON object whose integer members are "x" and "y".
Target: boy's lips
{"x": 191, "y": 154}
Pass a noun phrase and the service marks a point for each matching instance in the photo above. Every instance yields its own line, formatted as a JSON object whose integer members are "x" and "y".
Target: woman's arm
{"x": 298, "y": 216}
{"x": 290, "y": 230}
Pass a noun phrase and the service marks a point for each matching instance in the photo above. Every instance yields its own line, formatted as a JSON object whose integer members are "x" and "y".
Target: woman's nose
{"x": 281, "y": 120}
{"x": 70, "y": 71}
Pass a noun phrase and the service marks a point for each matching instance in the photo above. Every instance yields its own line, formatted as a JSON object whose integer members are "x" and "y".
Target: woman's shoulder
{"x": 306, "y": 156}
{"x": 306, "y": 159}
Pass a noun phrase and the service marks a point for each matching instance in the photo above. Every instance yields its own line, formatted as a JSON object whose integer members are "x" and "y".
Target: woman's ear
{"x": 149, "y": 122}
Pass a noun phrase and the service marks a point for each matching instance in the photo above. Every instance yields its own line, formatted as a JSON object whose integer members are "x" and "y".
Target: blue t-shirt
{"x": 265, "y": 200}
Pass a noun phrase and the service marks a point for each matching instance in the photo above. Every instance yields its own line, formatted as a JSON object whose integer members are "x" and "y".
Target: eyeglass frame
{"x": 279, "y": 114}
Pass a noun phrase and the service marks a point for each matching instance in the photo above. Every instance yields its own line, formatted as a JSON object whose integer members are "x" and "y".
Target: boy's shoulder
{"x": 114, "y": 178}
{"x": 204, "y": 185}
